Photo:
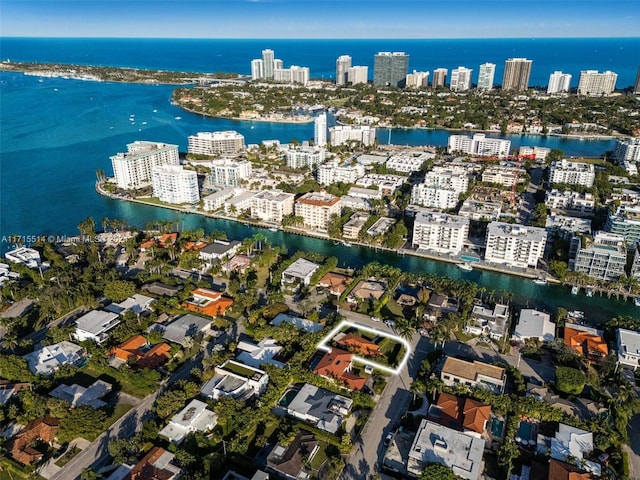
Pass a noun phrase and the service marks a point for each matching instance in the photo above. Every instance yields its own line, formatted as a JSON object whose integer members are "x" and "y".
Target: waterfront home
{"x": 473, "y": 374}
{"x": 336, "y": 364}
{"x": 533, "y": 324}
{"x": 300, "y": 272}
{"x": 628, "y": 346}
{"x": 95, "y": 326}
{"x": 24, "y": 255}
{"x": 195, "y": 417}
{"x": 319, "y": 407}
{"x": 492, "y": 323}
{"x": 218, "y": 250}
{"x": 586, "y": 341}
{"x": 236, "y": 380}
{"x": 435, "y": 443}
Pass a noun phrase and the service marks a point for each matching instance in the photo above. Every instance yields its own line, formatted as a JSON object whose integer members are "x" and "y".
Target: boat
{"x": 540, "y": 281}
{"x": 178, "y": 118}
{"x": 155, "y": 110}
{"x": 589, "y": 292}
{"x": 144, "y": 123}
{"x": 465, "y": 266}
{"x": 273, "y": 229}
{"x": 576, "y": 315}
{"x": 636, "y": 301}
{"x": 575, "y": 290}
{"x": 346, "y": 244}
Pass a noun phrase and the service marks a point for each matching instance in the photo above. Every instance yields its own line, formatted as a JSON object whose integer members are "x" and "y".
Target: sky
{"x": 320, "y": 18}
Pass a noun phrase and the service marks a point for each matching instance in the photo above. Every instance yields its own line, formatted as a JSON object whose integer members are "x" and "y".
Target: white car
{"x": 368, "y": 369}
{"x": 375, "y": 319}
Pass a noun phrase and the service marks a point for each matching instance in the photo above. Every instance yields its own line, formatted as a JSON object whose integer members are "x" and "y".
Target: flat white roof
{"x": 535, "y": 324}
{"x": 96, "y": 321}
{"x": 301, "y": 268}
{"x": 629, "y": 342}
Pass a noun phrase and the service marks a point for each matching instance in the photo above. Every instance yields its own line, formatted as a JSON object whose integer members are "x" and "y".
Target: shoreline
{"x": 240, "y": 119}
{"x": 531, "y": 275}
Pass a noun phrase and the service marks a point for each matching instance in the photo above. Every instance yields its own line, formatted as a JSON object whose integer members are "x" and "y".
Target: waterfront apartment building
{"x": 516, "y": 74}
{"x": 625, "y": 221}
{"x": 341, "y": 134}
{"x": 272, "y": 205}
{"x": 604, "y": 258}
{"x": 635, "y": 264}
{"x": 627, "y": 150}
{"x": 486, "y": 75}
{"x": 390, "y": 69}
{"x": 460, "y": 79}
{"x": 227, "y": 142}
{"x": 332, "y": 172}
{"x": 229, "y": 173}
{"x": 343, "y": 64}
{"x": 439, "y": 77}
{"x": 572, "y": 173}
{"x": 358, "y": 74}
{"x": 293, "y": 74}
{"x": 539, "y": 153}
{"x": 480, "y": 145}
{"x": 515, "y": 245}
{"x": 320, "y": 130}
{"x": 440, "y": 232}
{"x": 417, "y": 79}
{"x": 594, "y": 83}
{"x": 304, "y": 157}
{"x": 559, "y": 82}
{"x": 317, "y": 208}
{"x": 173, "y": 184}
{"x": 133, "y": 169}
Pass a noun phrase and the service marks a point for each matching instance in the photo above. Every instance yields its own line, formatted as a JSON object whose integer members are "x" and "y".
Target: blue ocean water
{"x": 621, "y": 55}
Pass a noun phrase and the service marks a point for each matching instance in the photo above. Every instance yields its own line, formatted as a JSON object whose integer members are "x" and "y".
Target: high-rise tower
{"x": 460, "y": 79}
{"x": 559, "y": 82}
{"x": 516, "y": 74}
{"x": 390, "y": 69}
{"x": 439, "y": 77}
{"x": 320, "y": 130}
{"x": 343, "y": 64}
{"x": 268, "y": 60}
{"x": 485, "y": 76}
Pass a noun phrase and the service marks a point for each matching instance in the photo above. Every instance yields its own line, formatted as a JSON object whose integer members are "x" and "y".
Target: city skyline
{"x": 318, "y": 19}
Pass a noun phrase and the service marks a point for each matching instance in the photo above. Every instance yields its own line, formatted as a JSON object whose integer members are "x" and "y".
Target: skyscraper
{"x": 460, "y": 79}
{"x": 268, "y": 60}
{"x": 320, "y": 130}
{"x": 439, "y": 77}
{"x": 390, "y": 69}
{"x": 343, "y": 64}
{"x": 257, "y": 69}
{"x": 516, "y": 74}
{"x": 417, "y": 79}
{"x": 593, "y": 82}
{"x": 636, "y": 88}
{"x": 485, "y": 76}
{"x": 559, "y": 82}
{"x": 358, "y": 74}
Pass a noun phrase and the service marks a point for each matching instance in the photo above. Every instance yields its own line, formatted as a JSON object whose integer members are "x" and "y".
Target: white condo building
{"x": 503, "y": 175}
{"x": 603, "y": 258}
{"x": 569, "y": 200}
{"x": 439, "y": 77}
{"x": 133, "y": 169}
{"x": 320, "y": 130}
{"x": 627, "y": 150}
{"x": 572, "y": 173}
{"x": 559, "y": 82}
{"x": 342, "y": 134}
{"x": 293, "y": 74}
{"x": 486, "y": 75}
{"x": 441, "y": 188}
{"x": 304, "y": 157}
{"x": 268, "y": 62}
{"x": 440, "y": 232}
{"x": 408, "y": 162}
{"x": 333, "y": 172}
{"x": 343, "y": 64}
{"x": 227, "y": 142}
{"x": 272, "y": 205}
{"x": 417, "y": 79}
{"x": 317, "y": 208}
{"x": 257, "y": 69}
{"x": 515, "y": 245}
{"x": 479, "y": 145}
{"x": 593, "y": 82}
{"x": 460, "y": 79}
{"x": 229, "y": 173}
{"x": 358, "y": 74}
{"x": 173, "y": 184}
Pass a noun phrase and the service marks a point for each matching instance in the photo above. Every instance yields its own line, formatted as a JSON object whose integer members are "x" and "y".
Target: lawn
{"x": 320, "y": 456}
{"x": 118, "y": 412}
{"x": 392, "y": 350}
{"x": 67, "y": 456}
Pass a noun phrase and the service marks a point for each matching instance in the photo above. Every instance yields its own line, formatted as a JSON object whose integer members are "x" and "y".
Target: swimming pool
{"x": 497, "y": 427}
{"x": 524, "y": 431}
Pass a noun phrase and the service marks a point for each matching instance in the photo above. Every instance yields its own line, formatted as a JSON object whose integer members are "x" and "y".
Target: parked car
{"x": 368, "y": 369}
{"x": 375, "y": 319}
{"x": 388, "y": 439}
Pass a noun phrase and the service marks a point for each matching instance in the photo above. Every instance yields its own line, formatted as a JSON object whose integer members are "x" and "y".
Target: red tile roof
{"x": 43, "y": 429}
{"x": 336, "y": 364}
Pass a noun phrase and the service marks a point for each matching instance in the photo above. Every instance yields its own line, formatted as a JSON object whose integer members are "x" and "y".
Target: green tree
{"x": 570, "y": 380}
{"x": 119, "y": 290}
{"x": 83, "y": 421}
{"x": 13, "y": 367}
{"x": 437, "y": 471}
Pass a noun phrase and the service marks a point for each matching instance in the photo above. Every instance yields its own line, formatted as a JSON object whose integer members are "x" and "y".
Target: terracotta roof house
{"x": 335, "y": 282}
{"x": 459, "y": 413}
{"x": 366, "y": 290}
{"x": 209, "y": 302}
{"x": 564, "y": 471}
{"x": 136, "y": 350}
{"x": 359, "y": 344}
{"x": 337, "y": 364}
{"x": 192, "y": 246}
{"x": 587, "y": 341}
{"x": 167, "y": 239}
{"x": 156, "y": 465}
{"x": 43, "y": 429}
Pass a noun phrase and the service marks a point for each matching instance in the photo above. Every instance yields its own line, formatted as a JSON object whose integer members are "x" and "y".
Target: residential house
{"x": 300, "y": 272}
{"x": 319, "y": 407}
{"x": 137, "y": 350}
{"x": 300, "y": 323}
{"x": 138, "y": 304}
{"x": 492, "y": 323}
{"x": 564, "y": 471}
{"x": 255, "y": 355}
{"x": 208, "y": 302}
{"x": 335, "y": 283}
{"x": 435, "y": 443}
{"x": 367, "y": 290}
{"x": 155, "y": 465}
{"x": 291, "y": 461}
{"x": 586, "y": 341}
{"x": 184, "y": 328}
{"x": 195, "y": 417}
{"x": 473, "y": 374}
{"x": 571, "y": 445}
{"x": 76, "y": 395}
{"x": 464, "y": 414}
{"x": 95, "y": 326}
{"x": 533, "y": 324}
{"x": 628, "y": 345}
{"x": 356, "y": 343}
{"x": 8, "y": 389}
{"x": 40, "y": 430}
{"x": 336, "y": 364}
{"x": 233, "y": 379}
{"x": 239, "y": 263}
{"x": 46, "y": 360}
{"x": 218, "y": 250}
{"x": 161, "y": 289}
